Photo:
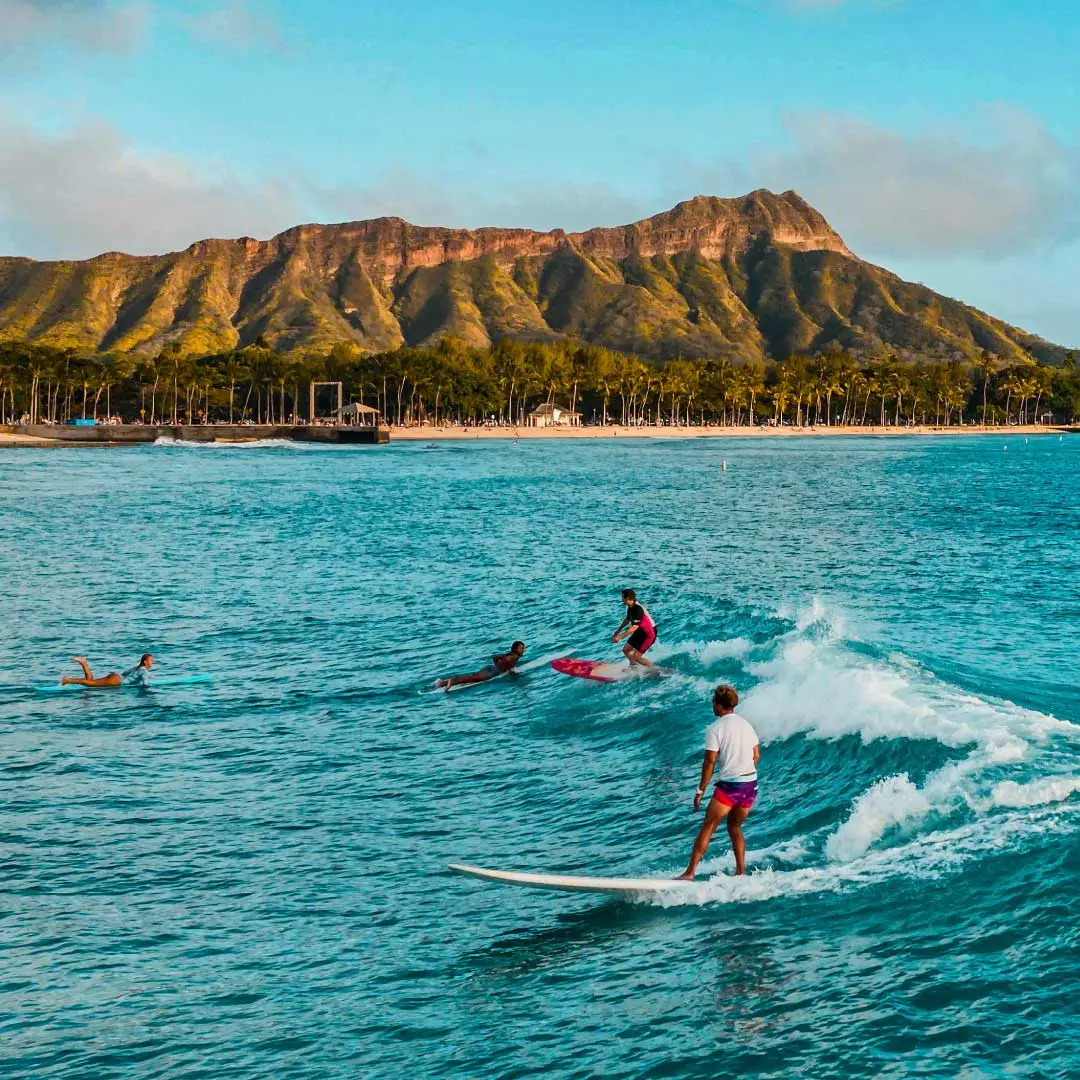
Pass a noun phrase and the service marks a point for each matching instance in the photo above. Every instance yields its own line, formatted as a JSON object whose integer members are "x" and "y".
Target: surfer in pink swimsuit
{"x": 638, "y": 627}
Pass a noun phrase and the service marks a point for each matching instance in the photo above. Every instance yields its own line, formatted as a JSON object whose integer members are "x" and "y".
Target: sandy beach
{"x": 7, "y": 440}
{"x": 435, "y": 434}
{"x": 426, "y": 433}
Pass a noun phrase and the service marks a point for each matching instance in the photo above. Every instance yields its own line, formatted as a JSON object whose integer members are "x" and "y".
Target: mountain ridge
{"x": 758, "y": 276}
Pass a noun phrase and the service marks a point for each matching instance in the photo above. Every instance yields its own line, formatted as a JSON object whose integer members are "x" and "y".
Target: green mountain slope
{"x": 764, "y": 275}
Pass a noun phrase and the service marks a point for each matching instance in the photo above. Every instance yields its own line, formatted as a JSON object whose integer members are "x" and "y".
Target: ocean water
{"x": 246, "y": 879}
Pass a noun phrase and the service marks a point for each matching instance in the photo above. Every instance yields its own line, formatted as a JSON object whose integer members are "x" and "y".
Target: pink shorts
{"x": 736, "y": 793}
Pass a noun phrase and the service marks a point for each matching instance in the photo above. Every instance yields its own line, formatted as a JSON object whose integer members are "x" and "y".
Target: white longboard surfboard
{"x": 627, "y": 887}
{"x": 468, "y": 685}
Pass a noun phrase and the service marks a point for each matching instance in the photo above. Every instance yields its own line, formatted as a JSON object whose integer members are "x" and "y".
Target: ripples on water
{"x": 247, "y": 879}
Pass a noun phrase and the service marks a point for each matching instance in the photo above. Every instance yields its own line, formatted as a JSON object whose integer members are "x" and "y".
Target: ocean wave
{"x": 815, "y": 684}
{"x": 892, "y": 801}
{"x": 230, "y": 444}
{"x": 706, "y": 653}
{"x": 812, "y": 680}
{"x": 929, "y": 855}
{"x": 1047, "y": 789}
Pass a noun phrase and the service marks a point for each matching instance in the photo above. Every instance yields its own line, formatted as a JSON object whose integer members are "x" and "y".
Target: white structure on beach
{"x": 363, "y": 415}
{"x": 549, "y": 415}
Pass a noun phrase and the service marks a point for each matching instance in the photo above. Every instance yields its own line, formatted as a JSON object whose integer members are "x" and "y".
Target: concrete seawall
{"x": 122, "y": 434}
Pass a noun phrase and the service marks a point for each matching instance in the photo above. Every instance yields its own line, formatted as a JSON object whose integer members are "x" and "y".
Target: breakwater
{"x": 122, "y": 434}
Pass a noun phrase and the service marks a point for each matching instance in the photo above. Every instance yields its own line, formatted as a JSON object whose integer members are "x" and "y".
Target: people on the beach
{"x": 500, "y": 664}
{"x": 638, "y": 627}
{"x": 133, "y": 676}
{"x": 733, "y": 751}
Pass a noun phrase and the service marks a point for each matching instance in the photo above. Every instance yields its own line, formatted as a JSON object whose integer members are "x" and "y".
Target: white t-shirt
{"x": 734, "y": 740}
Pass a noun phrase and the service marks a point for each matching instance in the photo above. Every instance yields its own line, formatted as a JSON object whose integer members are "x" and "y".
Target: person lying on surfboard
{"x": 733, "y": 751}
{"x": 500, "y": 664}
{"x": 639, "y": 627}
{"x": 135, "y": 675}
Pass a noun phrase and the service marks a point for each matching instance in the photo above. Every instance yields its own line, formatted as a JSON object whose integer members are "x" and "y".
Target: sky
{"x": 941, "y": 138}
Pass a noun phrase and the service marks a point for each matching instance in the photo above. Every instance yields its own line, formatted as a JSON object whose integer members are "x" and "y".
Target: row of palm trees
{"x": 454, "y": 381}
{"x": 43, "y": 385}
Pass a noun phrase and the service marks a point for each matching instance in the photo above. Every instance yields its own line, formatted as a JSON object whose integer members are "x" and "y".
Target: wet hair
{"x": 629, "y": 594}
{"x": 727, "y": 697}
{"x": 517, "y": 645}
{"x": 145, "y": 656}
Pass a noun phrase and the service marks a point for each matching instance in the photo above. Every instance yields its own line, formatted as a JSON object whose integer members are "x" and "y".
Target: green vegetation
{"x": 458, "y": 382}
{"x": 379, "y": 286}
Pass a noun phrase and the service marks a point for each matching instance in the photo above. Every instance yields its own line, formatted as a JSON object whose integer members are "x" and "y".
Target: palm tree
{"x": 233, "y": 370}
{"x": 987, "y": 363}
{"x": 580, "y": 363}
{"x": 1010, "y": 384}
{"x": 753, "y": 384}
{"x": 782, "y": 390}
{"x": 804, "y": 386}
{"x": 1044, "y": 384}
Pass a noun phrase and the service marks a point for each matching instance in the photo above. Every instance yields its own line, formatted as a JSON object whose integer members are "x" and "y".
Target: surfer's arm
{"x": 707, "y": 766}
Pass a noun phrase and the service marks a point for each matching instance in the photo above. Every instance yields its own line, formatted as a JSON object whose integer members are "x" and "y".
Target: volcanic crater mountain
{"x": 746, "y": 278}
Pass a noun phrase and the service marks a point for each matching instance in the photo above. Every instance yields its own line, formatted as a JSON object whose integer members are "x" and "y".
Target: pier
{"x": 130, "y": 434}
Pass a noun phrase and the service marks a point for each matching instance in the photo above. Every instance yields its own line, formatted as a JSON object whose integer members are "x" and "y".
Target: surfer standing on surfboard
{"x": 639, "y": 627}
{"x": 733, "y": 751}
{"x": 500, "y": 664}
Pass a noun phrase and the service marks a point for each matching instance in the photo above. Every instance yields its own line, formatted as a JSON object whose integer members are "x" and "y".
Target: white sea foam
{"x": 707, "y": 653}
{"x": 892, "y": 801}
{"x": 792, "y": 852}
{"x": 930, "y": 855}
{"x": 1047, "y": 789}
{"x": 825, "y": 690}
{"x": 253, "y": 444}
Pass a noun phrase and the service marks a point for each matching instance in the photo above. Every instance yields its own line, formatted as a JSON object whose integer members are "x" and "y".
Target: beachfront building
{"x": 360, "y": 415}
{"x": 549, "y": 415}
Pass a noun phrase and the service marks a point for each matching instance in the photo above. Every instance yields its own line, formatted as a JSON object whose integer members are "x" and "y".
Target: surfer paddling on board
{"x": 133, "y": 676}
{"x": 732, "y": 750}
{"x": 639, "y": 627}
{"x": 500, "y": 664}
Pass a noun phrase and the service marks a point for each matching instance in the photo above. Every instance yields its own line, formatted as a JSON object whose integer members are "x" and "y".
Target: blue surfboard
{"x": 153, "y": 684}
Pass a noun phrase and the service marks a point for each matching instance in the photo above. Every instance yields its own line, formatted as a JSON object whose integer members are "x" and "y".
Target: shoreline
{"x": 454, "y": 434}
{"x": 13, "y": 440}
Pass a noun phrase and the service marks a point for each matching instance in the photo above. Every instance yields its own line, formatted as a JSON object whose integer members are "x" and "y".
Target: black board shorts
{"x": 641, "y": 639}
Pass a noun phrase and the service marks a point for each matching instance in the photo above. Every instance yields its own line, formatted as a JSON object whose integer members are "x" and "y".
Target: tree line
{"x": 453, "y": 382}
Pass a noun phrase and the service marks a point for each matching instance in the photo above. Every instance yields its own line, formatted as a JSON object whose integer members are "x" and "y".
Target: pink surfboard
{"x": 597, "y": 670}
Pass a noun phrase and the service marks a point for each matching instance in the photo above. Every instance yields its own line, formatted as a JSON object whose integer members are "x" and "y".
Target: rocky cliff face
{"x": 761, "y": 275}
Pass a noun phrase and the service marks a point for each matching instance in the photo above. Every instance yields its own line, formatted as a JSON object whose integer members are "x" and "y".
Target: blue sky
{"x": 940, "y": 138}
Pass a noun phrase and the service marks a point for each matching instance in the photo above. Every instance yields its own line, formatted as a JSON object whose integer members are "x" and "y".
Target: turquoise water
{"x": 246, "y": 878}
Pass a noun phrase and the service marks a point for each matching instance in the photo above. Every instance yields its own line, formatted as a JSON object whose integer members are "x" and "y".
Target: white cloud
{"x": 1001, "y": 185}
{"x": 400, "y": 193}
{"x": 86, "y": 190}
{"x": 114, "y": 26}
